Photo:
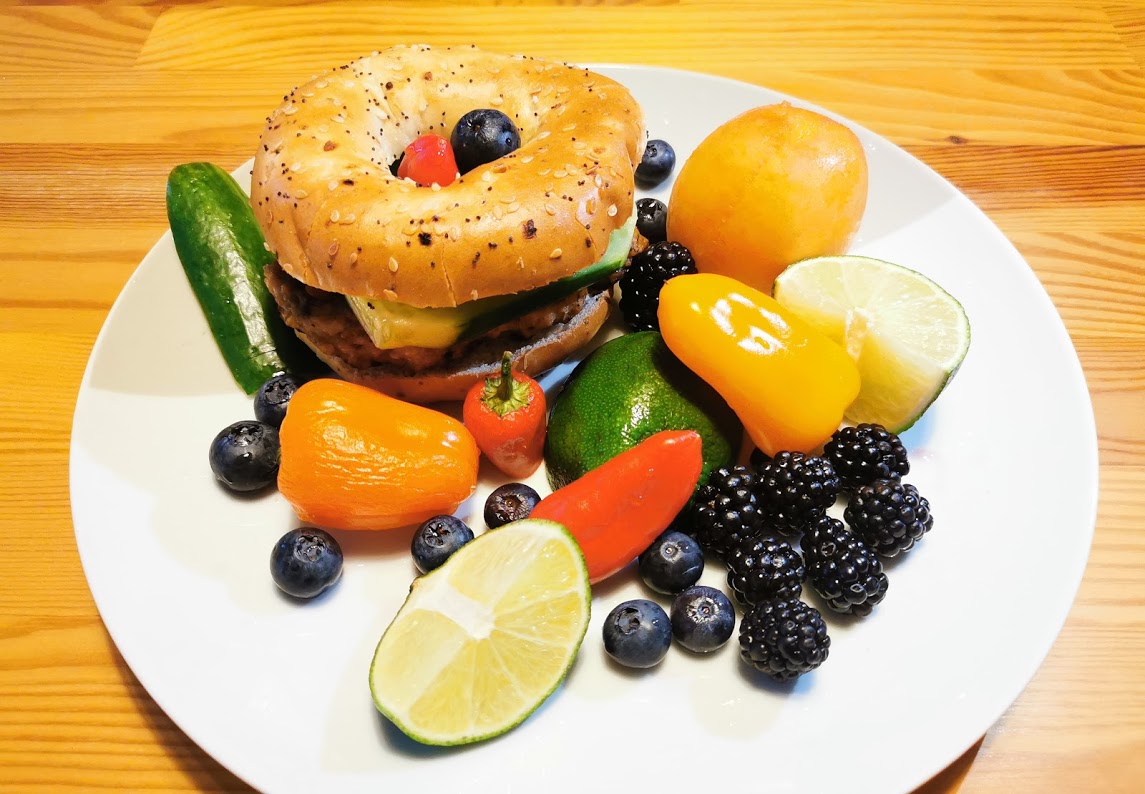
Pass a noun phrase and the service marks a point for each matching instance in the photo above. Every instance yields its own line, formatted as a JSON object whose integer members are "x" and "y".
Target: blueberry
{"x": 702, "y": 619}
{"x": 652, "y": 219}
{"x": 481, "y": 136}
{"x": 672, "y": 563}
{"x": 657, "y": 164}
{"x": 305, "y": 562}
{"x": 511, "y": 502}
{"x": 244, "y": 456}
{"x": 272, "y": 397}
{"x": 637, "y": 633}
{"x": 437, "y": 539}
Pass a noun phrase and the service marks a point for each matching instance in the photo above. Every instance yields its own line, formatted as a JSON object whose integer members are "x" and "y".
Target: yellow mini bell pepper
{"x": 788, "y": 383}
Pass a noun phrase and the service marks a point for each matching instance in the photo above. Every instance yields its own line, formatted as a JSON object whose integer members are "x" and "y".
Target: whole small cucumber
{"x": 223, "y": 253}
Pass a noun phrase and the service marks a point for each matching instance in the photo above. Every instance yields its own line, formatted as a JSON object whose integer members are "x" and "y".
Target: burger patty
{"x": 331, "y": 327}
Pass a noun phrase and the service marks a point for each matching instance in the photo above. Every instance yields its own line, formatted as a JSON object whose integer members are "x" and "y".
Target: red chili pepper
{"x": 427, "y": 160}
{"x": 506, "y": 414}
{"x": 617, "y": 509}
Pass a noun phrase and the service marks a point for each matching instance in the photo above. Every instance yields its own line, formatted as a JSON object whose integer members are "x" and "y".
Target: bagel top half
{"x": 338, "y": 220}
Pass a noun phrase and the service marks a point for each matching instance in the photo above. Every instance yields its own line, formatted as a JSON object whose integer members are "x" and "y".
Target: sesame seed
{"x": 333, "y": 250}
{"x": 266, "y": 245}
{"x": 393, "y": 265}
{"x": 335, "y": 216}
{"x": 611, "y": 210}
{"x": 389, "y": 295}
{"x": 353, "y": 257}
{"x": 597, "y": 180}
{"x": 568, "y": 128}
{"x": 473, "y": 295}
{"x": 496, "y": 100}
{"x": 498, "y": 212}
{"x": 339, "y": 119}
{"x": 549, "y": 208}
{"x": 296, "y": 167}
{"x": 542, "y": 135}
{"x": 290, "y": 110}
{"x": 545, "y": 172}
{"x": 556, "y": 254}
{"x": 435, "y": 187}
{"x": 487, "y": 177}
{"x": 560, "y": 174}
{"x": 300, "y": 193}
{"x": 332, "y": 184}
{"x": 516, "y": 205}
{"x": 350, "y": 218}
{"x": 322, "y": 84}
{"x": 527, "y": 159}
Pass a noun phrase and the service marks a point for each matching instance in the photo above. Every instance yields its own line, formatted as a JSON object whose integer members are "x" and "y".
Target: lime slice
{"x": 484, "y": 639}
{"x": 906, "y": 333}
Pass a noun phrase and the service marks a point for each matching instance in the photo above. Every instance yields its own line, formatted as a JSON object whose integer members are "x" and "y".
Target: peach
{"x": 772, "y": 186}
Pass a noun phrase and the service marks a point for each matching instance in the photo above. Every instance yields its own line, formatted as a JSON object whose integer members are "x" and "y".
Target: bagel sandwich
{"x": 417, "y": 291}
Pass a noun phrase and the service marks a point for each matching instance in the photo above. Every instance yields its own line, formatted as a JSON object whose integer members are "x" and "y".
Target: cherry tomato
{"x": 427, "y": 160}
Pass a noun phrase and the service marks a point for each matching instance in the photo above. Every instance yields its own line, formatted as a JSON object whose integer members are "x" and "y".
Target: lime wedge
{"x": 484, "y": 639}
{"x": 906, "y": 333}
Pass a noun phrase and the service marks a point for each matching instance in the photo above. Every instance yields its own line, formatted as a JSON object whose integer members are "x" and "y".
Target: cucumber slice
{"x": 224, "y": 254}
{"x": 391, "y": 324}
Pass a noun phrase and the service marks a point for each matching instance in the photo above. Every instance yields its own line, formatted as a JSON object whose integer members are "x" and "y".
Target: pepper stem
{"x": 505, "y": 387}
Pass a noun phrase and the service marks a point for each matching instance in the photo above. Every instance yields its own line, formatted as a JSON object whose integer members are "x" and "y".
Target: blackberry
{"x": 645, "y": 275}
{"x": 725, "y": 511}
{"x": 783, "y": 639}
{"x": 889, "y": 516}
{"x": 866, "y": 453}
{"x": 795, "y": 490}
{"x": 841, "y": 569}
{"x": 760, "y": 569}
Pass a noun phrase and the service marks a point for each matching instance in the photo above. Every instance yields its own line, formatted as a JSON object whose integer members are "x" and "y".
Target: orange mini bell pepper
{"x": 354, "y": 458}
{"x": 788, "y": 383}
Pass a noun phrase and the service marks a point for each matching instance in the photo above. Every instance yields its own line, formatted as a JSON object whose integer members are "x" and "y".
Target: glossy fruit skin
{"x": 353, "y": 458}
{"x": 245, "y": 456}
{"x": 787, "y": 382}
{"x": 772, "y": 186}
{"x": 673, "y": 563}
{"x": 508, "y": 424}
{"x": 652, "y": 219}
{"x": 618, "y": 508}
{"x": 703, "y": 619}
{"x": 866, "y": 453}
{"x": 306, "y": 562}
{"x": 637, "y": 633}
{"x": 428, "y": 160}
{"x": 623, "y": 392}
{"x": 482, "y": 136}
{"x": 510, "y": 502}
{"x": 656, "y": 165}
{"x": 273, "y": 397}
{"x": 436, "y": 539}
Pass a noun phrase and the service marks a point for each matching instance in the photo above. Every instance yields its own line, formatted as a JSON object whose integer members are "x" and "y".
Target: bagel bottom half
{"x": 569, "y": 325}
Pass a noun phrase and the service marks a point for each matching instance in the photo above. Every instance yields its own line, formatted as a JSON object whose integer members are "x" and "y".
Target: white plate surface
{"x": 277, "y": 692}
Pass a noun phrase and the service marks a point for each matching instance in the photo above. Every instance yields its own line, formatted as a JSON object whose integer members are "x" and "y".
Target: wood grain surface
{"x": 1035, "y": 109}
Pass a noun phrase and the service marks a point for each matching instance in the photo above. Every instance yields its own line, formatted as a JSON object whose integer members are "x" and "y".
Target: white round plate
{"x": 277, "y": 691}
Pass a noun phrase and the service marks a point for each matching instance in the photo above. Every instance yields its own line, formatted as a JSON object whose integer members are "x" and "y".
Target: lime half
{"x": 484, "y": 639}
{"x": 906, "y": 333}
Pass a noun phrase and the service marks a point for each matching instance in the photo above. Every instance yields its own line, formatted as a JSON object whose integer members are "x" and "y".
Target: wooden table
{"x": 1036, "y": 110}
